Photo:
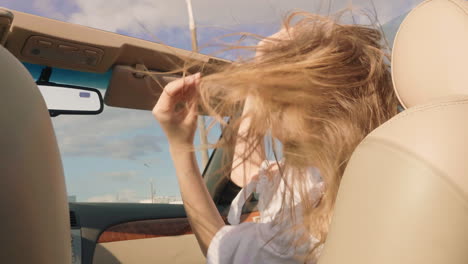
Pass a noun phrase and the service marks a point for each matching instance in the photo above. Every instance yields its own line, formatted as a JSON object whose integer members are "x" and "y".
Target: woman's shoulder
{"x": 278, "y": 187}
{"x": 275, "y": 172}
{"x": 265, "y": 237}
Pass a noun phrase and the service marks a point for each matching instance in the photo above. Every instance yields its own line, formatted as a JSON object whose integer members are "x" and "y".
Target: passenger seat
{"x": 404, "y": 196}
{"x": 34, "y": 216}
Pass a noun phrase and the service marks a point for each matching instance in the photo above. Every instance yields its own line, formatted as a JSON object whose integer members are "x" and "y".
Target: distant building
{"x": 72, "y": 198}
{"x": 164, "y": 200}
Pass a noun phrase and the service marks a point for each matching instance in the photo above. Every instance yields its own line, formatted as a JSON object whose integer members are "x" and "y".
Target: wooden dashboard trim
{"x": 155, "y": 228}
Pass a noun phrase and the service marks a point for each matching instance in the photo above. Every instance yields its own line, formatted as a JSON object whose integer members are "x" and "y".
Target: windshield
{"x": 121, "y": 155}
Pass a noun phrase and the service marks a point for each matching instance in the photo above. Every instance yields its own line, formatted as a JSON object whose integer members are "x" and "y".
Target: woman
{"x": 317, "y": 87}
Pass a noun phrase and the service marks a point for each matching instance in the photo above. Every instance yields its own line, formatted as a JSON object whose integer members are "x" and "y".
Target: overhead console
{"x": 52, "y": 49}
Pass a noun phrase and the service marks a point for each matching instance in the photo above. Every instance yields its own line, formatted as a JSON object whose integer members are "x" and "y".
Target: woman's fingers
{"x": 178, "y": 91}
{"x": 174, "y": 110}
{"x": 177, "y": 86}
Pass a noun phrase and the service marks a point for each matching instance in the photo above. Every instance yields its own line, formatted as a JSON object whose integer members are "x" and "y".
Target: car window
{"x": 120, "y": 155}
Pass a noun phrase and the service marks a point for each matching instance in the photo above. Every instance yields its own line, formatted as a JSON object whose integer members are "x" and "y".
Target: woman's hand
{"x": 176, "y": 111}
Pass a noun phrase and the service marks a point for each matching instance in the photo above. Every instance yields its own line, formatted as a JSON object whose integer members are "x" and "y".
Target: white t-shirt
{"x": 263, "y": 241}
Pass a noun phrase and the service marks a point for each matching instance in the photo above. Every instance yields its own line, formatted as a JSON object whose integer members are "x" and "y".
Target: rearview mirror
{"x": 71, "y": 100}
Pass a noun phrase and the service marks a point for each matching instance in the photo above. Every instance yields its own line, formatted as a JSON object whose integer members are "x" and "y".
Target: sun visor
{"x": 138, "y": 88}
{"x": 135, "y": 88}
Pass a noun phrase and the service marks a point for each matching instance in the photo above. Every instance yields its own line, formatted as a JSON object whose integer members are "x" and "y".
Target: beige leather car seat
{"x": 404, "y": 196}
{"x": 34, "y": 216}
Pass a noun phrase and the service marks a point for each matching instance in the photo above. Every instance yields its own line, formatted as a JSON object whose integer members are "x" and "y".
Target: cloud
{"x": 119, "y": 176}
{"x": 115, "y": 133}
{"x": 49, "y": 8}
{"x": 110, "y": 121}
{"x": 130, "y": 15}
{"x": 55, "y": 9}
{"x": 130, "y": 149}
{"x": 106, "y": 198}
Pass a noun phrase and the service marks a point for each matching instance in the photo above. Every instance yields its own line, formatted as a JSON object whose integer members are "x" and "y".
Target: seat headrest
{"x": 430, "y": 52}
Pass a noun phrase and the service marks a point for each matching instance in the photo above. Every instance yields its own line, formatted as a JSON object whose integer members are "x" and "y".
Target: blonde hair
{"x": 319, "y": 91}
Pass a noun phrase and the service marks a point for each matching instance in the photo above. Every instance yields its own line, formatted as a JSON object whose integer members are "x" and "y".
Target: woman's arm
{"x": 179, "y": 125}
{"x": 202, "y": 213}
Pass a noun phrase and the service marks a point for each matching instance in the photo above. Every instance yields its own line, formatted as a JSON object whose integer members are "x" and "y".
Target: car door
{"x": 132, "y": 233}
{"x": 146, "y": 233}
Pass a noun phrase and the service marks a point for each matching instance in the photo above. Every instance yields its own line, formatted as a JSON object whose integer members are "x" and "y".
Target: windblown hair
{"x": 319, "y": 91}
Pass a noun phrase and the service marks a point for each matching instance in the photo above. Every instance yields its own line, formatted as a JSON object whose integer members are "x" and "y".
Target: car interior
{"x": 37, "y": 49}
{"x": 403, "y": 198}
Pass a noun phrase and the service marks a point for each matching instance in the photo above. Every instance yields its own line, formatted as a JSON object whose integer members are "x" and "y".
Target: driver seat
{"x": 34, "y": 215}
{"x": 404, "y": 195}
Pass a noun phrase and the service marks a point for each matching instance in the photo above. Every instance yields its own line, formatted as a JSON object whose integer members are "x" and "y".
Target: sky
{"x": 112, "y": 157}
